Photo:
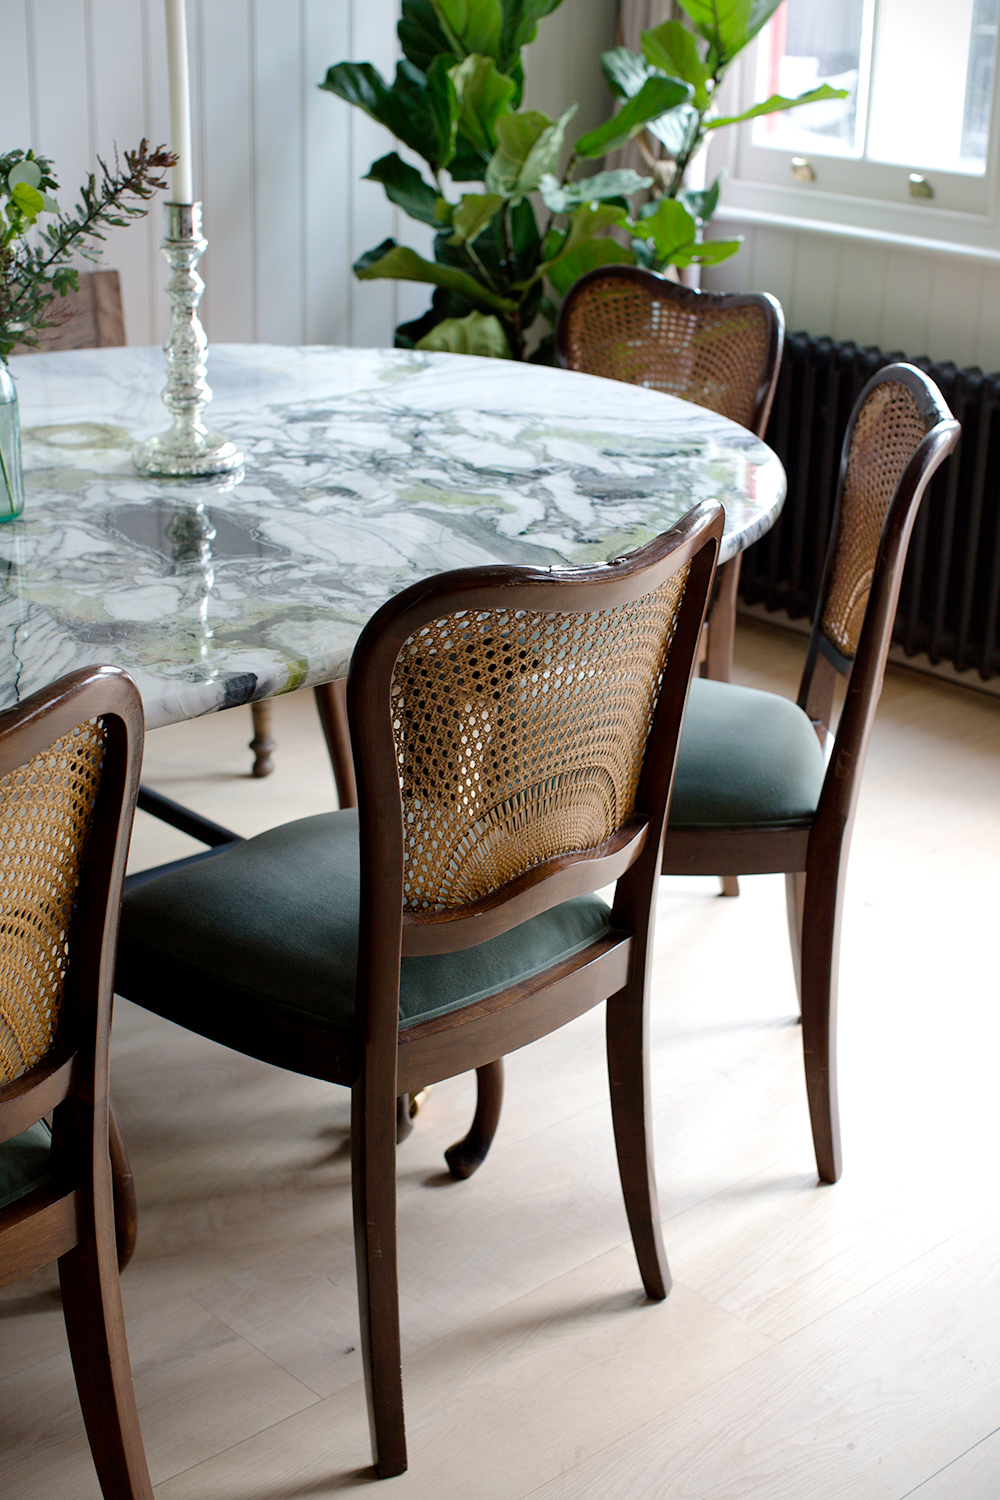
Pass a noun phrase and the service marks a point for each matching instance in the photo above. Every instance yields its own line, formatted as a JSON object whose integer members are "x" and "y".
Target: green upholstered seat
{"x": 24, "y": 1163}
{"x": 747, "y": 759}
{"x": 274, "y": 921}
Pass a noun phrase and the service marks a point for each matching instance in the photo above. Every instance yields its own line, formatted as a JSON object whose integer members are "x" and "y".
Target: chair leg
{"x": 331, "y": 705}
{"x": 95, "y": 1327}
{"x": 722, "y": 622}
{"x": 373, "y": 1183}
{"x": 123, "y": 1190}
{"x": 469, "y": 1153}
{"x": 818, "y": 994}
{"x": 262, "y": 743}
{"x": 730, "y": 885}
{"x": 795, "y": 895}
{"x": 628, "y": 1074}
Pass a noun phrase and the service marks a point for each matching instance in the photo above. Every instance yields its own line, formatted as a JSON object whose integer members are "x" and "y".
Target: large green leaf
{"x": 472, "y": 216}
{"x": 404, "y": 185}
{"x": 587, "y": 223}
{"x": 421, "y": 109}
{"x": 483, "y": 95}
{"x": 360, "y": 84}
{"x": 656, "y": 96}
{"x": 624, "y": 72}
{"x": 471, "y": 25}
{"x": 710, "y": 252}
{"x": 420, "y": 34}
{"x": 728, "y": 25}
{"x": 673, "y": 50}
{"x": 678, "y": 129}
{"x": 520, "y": 25}
{"x": 702, "y": 204}
{"x": 618, "y": 184}
{"x": 670, "y": 228}
{"x": 528, "y": 146}
{"x": 587, "y": 257}
{"x": 778, "y": 102}
{"x": 477, "y": 333}
{"x": 399, "y": 263}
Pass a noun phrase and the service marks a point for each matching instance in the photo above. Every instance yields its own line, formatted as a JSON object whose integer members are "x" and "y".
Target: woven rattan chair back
{"x": 887, "y": 430}
{"x": 520, "y": 737}
{"x": 69, "y": 772}
{"x": 718, "y": 351}
{"x": 46, "y": 812}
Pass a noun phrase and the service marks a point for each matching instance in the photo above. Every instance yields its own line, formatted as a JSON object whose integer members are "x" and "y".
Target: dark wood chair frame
{"x": 72, "y": 1218}
{"x": 379, "y": 1062}
{"x": 721, "y": 623}
{"x": 814, "y": 859}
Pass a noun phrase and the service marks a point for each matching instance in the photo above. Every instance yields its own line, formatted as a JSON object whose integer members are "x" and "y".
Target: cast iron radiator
{"x": 950, "y": 599}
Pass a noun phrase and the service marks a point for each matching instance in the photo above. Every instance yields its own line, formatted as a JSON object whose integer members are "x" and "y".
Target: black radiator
{"x": 950, "y": 599}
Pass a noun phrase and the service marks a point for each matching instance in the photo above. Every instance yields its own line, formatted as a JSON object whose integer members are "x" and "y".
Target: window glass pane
{"x": 932, "y": 84}
{"x": 810, "y": 42}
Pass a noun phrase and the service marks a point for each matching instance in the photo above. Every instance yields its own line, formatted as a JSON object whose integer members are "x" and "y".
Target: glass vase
{"x": 11, "y": 477}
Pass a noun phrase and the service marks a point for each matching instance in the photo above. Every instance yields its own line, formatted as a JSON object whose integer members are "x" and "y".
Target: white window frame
{"x": 759, "y": 187}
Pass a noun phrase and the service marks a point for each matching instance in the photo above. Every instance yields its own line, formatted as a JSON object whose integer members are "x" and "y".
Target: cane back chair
{"x": 69, "y": 771}
{"x": 752, "y": 794}
{"x": 514, "y": 737}
{"x": 720, "y": 351}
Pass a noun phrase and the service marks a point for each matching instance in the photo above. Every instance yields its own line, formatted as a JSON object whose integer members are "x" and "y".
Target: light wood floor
{"x": 819, "y": 1343}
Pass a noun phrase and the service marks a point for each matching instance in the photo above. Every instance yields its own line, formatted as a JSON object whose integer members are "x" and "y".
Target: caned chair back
{"x": 503, "y": 723}
{"x": 900, "y": 432}
{"x": 69, "y": 761}
{"x": 717, "y": 350}
{"x": 894, "y": 417}
{"x": 46, "y": 812}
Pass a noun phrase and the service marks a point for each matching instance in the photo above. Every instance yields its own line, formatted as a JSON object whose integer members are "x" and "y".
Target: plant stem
{"x": 484, "y": 273}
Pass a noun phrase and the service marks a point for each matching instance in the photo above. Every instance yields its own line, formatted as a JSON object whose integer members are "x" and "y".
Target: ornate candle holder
{"x": 189, "y": 447}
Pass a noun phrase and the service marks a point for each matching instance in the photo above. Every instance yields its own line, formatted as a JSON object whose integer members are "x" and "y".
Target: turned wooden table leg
{"x": 331, "y": 705}
{"x": 262, "y": 744}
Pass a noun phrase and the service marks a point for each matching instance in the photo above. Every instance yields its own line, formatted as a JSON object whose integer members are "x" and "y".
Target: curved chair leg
{"x": 818, "y": 993}
{"x": 123, "y": 1191}
{"x": 262, "y": 744}
{"x": 722, "y": 621}
{"x": 628, "y": 1075}
{"x": 373, "y": 1185}
{"x": 469, "y": 1153}
{"x": 795, "y": 895}
{"x": 331, "y": 705}
{"x": 730, "y": 885}
{"x": 95, "y": 1327}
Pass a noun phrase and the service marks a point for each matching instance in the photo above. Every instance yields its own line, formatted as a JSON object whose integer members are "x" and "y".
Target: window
{"x": 920, "y": 80}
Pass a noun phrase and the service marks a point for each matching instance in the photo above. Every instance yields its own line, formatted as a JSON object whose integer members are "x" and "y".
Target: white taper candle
{"x": 180, "y": 101}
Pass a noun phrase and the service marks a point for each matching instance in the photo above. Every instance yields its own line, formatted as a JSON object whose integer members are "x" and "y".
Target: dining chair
{"x": 717, "y": 350}
{"x": 754, "y": 793}
{"x": 515, "y": 730}
{"x": 92, "y": 317}
{"x": 69, "y": 769}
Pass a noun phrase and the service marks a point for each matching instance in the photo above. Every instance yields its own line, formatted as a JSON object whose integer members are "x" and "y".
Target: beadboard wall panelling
{"x": 278, "y": 163}
{"x": 944, "y": 306}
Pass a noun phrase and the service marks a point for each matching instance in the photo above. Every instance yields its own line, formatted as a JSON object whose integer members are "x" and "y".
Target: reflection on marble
{"x": 365, "y": 471}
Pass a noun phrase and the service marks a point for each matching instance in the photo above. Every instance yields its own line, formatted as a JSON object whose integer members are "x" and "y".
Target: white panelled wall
{"x": 278, "y": 162}
{"x": 944, "y": 306}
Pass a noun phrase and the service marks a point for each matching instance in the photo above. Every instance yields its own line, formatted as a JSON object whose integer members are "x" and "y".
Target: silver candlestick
{"x": 189, "y": 447}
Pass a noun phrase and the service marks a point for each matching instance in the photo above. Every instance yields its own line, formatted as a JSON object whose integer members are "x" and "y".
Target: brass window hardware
{"x": 802, "y": 169}
{"x": 919, "y": 186}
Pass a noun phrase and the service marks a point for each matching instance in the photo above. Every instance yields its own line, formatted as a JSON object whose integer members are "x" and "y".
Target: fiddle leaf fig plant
{"x": 455, "y": 102}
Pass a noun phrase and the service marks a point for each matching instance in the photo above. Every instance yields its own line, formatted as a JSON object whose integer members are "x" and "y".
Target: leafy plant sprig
{"x": 34, "y": 273}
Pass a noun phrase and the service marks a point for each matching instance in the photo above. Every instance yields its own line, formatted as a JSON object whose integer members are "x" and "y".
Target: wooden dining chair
{"x": 753, "y": 794}
{"x": 92, "y": 317}
{"x": 718, "y": 350}
{"x": 69, "y": 771}
{"x": 514, "y": 733}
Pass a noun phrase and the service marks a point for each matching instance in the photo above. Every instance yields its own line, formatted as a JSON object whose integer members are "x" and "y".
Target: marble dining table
{"x": 365, "y": 470}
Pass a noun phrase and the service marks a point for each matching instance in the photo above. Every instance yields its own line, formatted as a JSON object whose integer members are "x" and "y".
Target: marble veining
{"x": 365, "y": 471}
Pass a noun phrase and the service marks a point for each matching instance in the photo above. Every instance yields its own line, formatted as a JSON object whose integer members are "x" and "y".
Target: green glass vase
{"x": 11, "y": 477}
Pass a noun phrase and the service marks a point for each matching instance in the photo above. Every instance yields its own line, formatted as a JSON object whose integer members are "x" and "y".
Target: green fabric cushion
{"x": 274, "y": 920}
{"x": 24, "y": 1163}
{"x": 746, "y": 759}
